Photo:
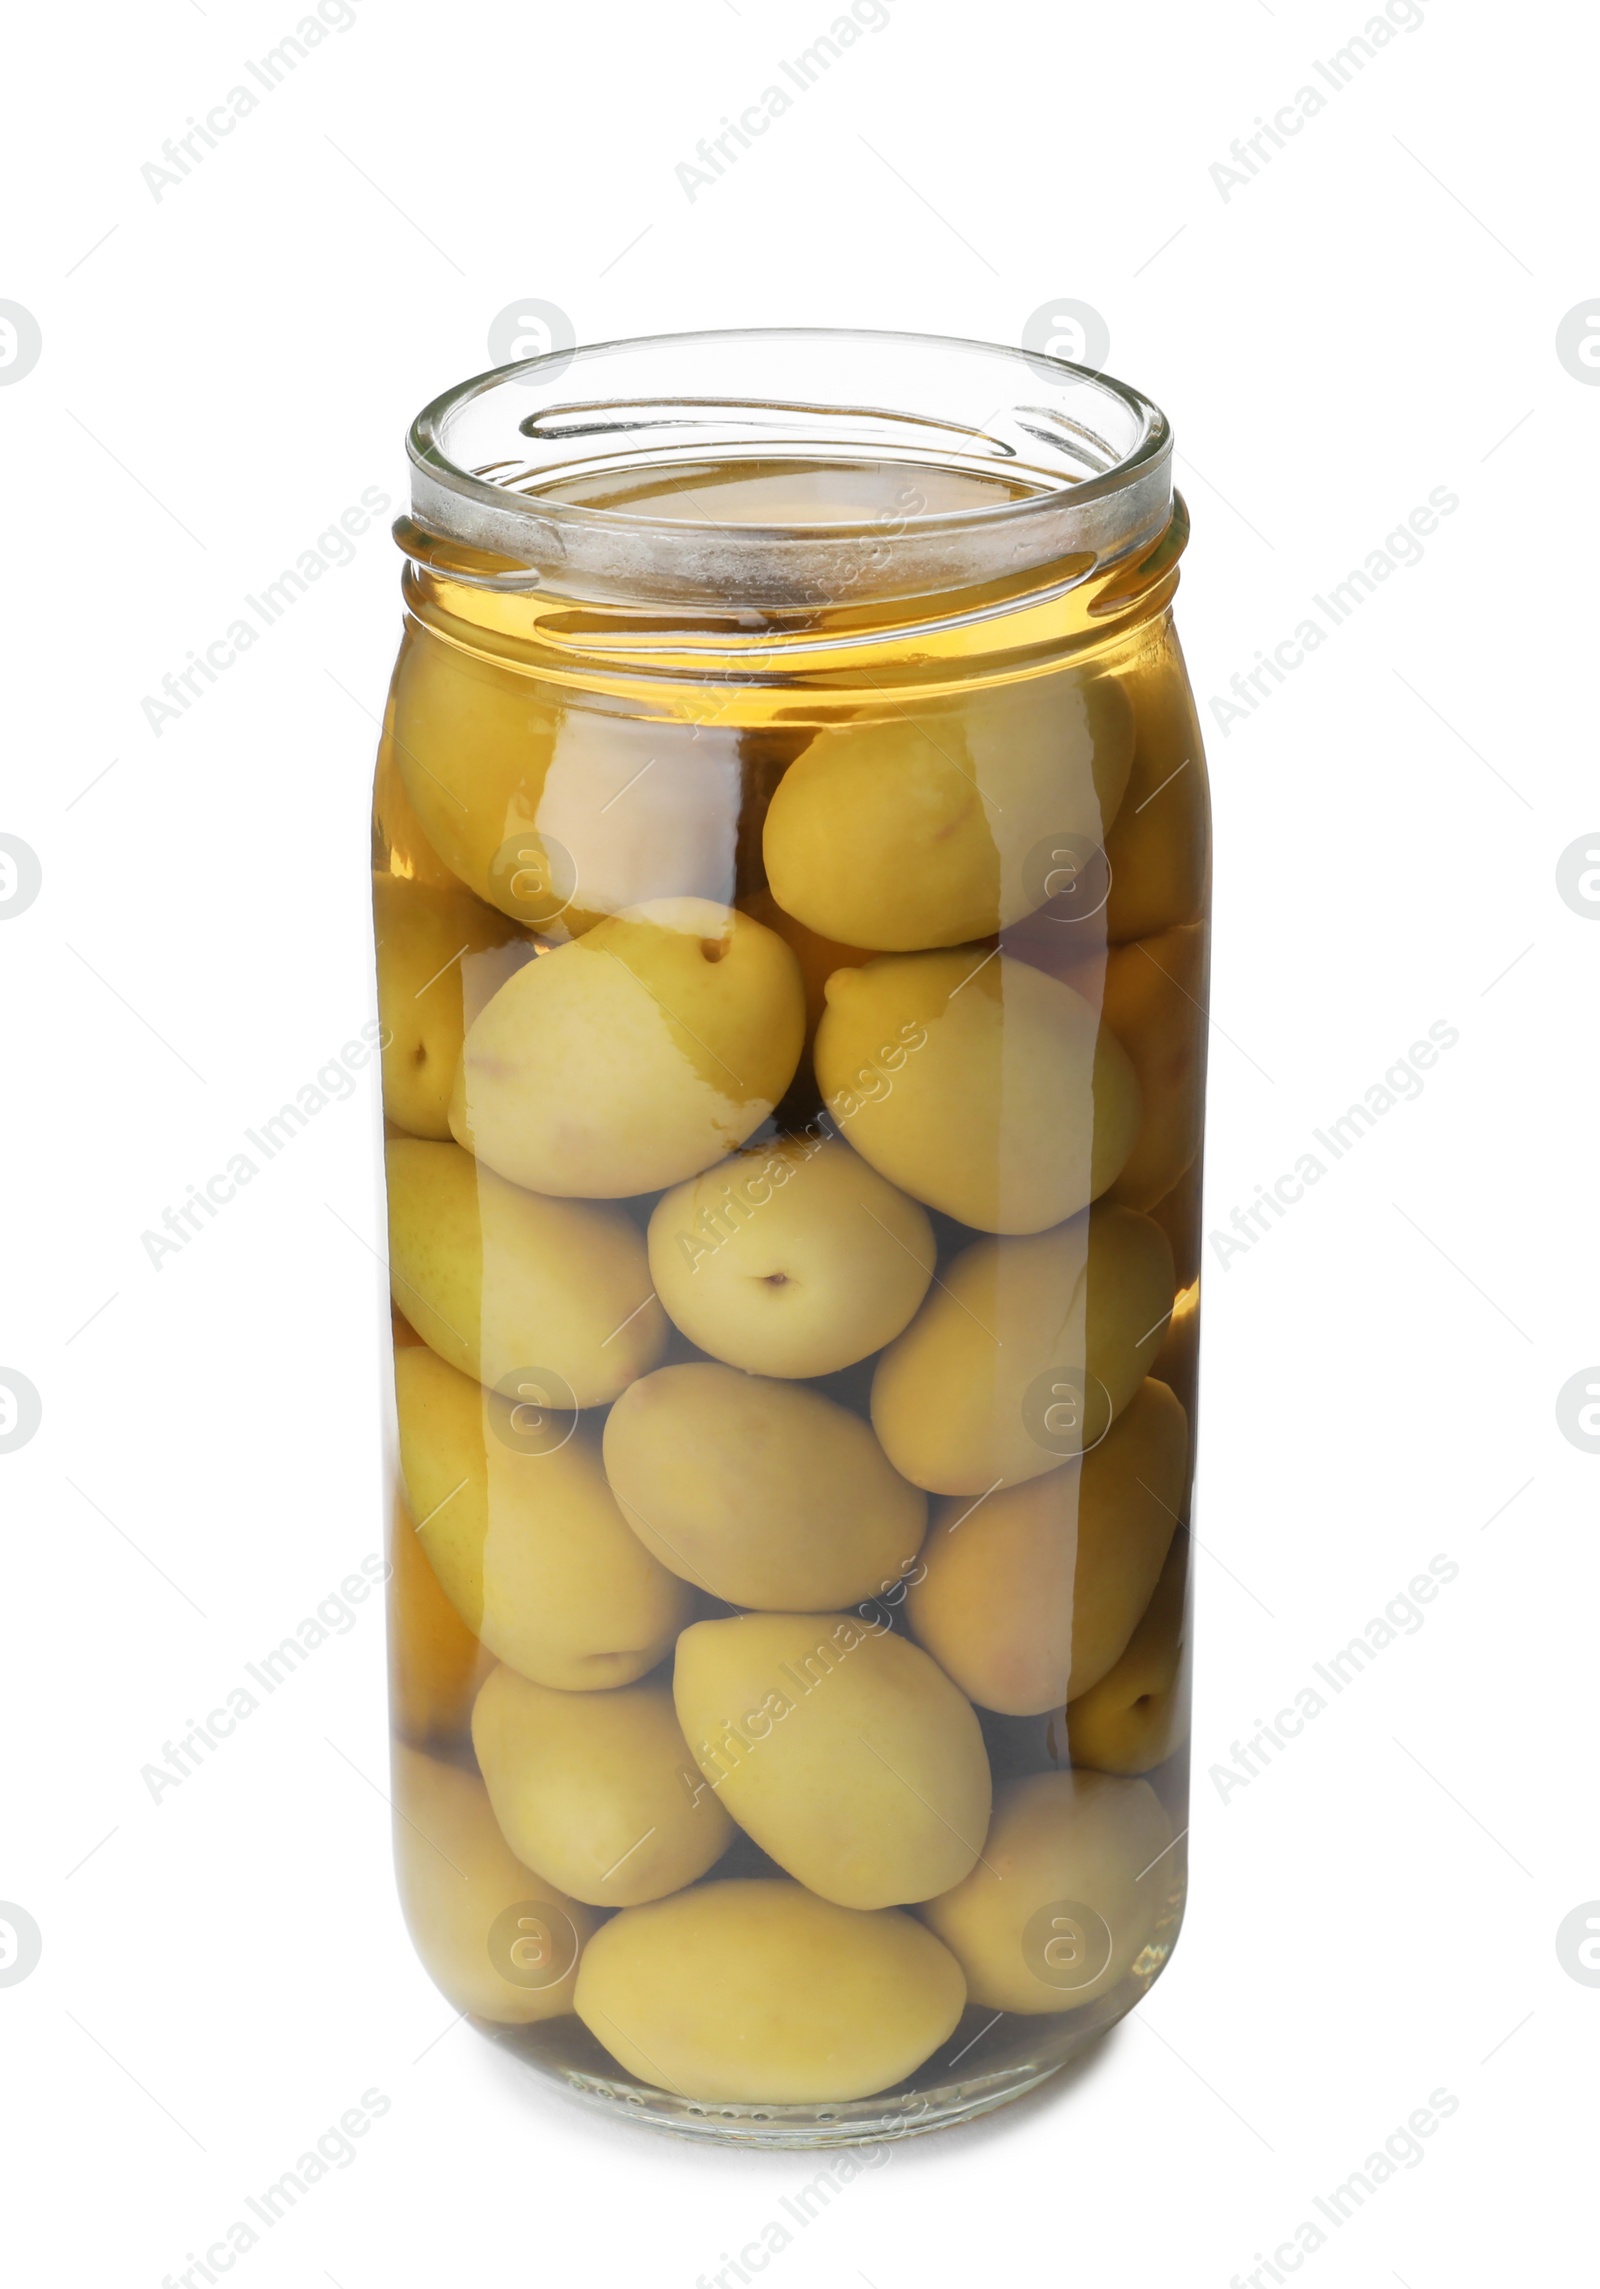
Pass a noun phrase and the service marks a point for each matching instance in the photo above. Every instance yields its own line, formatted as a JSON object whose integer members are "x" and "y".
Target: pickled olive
{"x": 1158, "y": 849}
{"x": 441, "y": 955}
{"x": 844, "y": 1751}
{"x": 526, "y": 1537}
{"x": 399, "y": 846}
{"x": 1024, "y": 1353}
{"x": 756, "y": 1991}
{"x": 634, "y": 1057}
{"x": 1178, "y": 1360}
{"x": 761, "y": 1492}
{"x": 977, "y": 1084}
{"x": 1070, "y": 1890}
{"x": 435, "y": 1663}
{"x": 560, "y": 815}
{"x": 794, "y": 1258}
{"x": 1030, "y": 1595}
{"x": 1137, "y": 1715}
{"x": 1155, "y": 1005}
{"x": 501, "y": 1942}
{"x": 935, "y": 828}
{"x": 548, "y": 1299}
{"x": 818, "y": 957}
{"x": 1179, "y": 1217}
{"x": 596, "y": 1790}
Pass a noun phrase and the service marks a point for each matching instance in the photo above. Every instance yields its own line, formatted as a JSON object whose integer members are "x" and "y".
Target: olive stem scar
{"x": 627, "y": 1855}
{"x": 633, "y": 1315}
{"x": 676, "y": 1019}
{"x": 393, "y": 1807}
{"x": 927, "y": 1807}
{"x": 438, "y": 1506}
{"x": 1161, "y": 1855}
{"x": 439, "y": 973}
{"x": 438, "y": 2038}
{"x": 971, "y": 1506}
{"x": 1456, "y": 1801}
{"x": 1455, "y": 1267}
{"x": 1504, "y": 2039}
{"x": 977, "y": 2038}
{"x": 621, "y": 791}
{"x": 1166, "y": 782}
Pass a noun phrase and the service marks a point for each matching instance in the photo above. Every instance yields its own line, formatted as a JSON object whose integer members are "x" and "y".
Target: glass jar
{"x": 791, "y": 868}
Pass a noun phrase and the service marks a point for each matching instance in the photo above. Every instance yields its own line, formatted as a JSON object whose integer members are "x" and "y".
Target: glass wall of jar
{"x": 790, "y": 879}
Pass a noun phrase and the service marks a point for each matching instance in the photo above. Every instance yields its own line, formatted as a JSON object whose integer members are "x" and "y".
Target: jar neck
{"x": 1071, "y": 608}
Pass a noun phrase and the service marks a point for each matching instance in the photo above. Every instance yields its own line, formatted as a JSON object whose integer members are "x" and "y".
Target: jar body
{"x": 793, "y": 1083}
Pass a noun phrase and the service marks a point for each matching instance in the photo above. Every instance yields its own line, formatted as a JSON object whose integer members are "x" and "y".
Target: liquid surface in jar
{"x": 794, "y": 1113}
{"x": 787, "y": 492}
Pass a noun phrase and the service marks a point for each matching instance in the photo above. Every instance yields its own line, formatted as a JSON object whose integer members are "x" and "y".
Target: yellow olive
{"x": 1069, "y": 1892}
{"x": 635, "y": 1056}
{"x": 764, "y": 1493}
{"x": 1155, "y": 1005}
{"x": 843, "y": 1750}
{"x": 905, "y": 830}
{"x": 977, "y": 1084}
{"x": 441, "y": 954}
{"x": 1030, "y": 1594}
{"x": 526, "y": 1537}
{"x": 435, "y": 1663}
{"x": 549, "y": 1298}
{"x": 1138, "y": 1714}
{"x": 818, "y": 957}
{"x": 597, "y": 1789}
{"x": 498, "y": 1940}
{"x": 560, "y": 814}
{"x": 753, "y": 1991}
{"x": 1024, "y": 1353}
{"x": 793, "y": 1258}
{"x": 1158, "y": 849}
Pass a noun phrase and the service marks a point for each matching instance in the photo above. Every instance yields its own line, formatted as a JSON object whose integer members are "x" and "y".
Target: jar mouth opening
{"x": 819, "y": 462}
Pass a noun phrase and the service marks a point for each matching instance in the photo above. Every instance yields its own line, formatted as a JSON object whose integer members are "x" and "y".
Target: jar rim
{"x": 1087, "y": 458}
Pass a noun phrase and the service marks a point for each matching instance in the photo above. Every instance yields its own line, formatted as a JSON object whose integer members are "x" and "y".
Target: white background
{"x": 224, "y": 369}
